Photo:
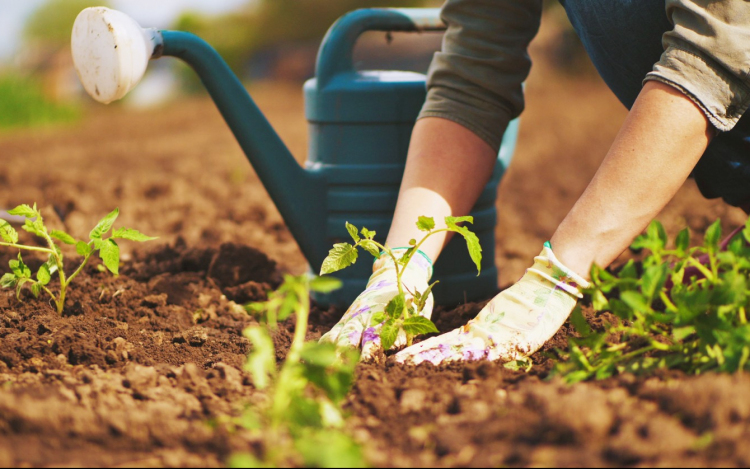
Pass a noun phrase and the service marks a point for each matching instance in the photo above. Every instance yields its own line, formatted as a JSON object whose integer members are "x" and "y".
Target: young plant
{"x": 20, "y": 275}
{"x": 301, "y": 424}
{"x": 401, "y": 314}
{"x": 682, "y": 308}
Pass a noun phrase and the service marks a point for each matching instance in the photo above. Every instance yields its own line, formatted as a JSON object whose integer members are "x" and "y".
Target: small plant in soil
{"x": 681, "y": 308}
{"x": 21, "y": 276}
{"x": 401, "y": 313}
{"x": 301, "y": 421}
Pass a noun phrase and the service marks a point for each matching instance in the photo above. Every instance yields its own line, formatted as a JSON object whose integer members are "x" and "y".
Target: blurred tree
{"x": 263, "y": 24}
{"x": 45, "y": 54}
{"x": 50, "y": 24}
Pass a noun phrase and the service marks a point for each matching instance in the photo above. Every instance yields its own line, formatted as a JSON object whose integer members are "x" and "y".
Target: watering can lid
{"x": 372, "y": 96}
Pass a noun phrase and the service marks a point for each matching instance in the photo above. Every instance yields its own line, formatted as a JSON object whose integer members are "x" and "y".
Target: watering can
{"x": 360, "y": 123}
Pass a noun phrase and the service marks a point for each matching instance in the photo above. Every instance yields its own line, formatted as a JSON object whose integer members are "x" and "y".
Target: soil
{"x": 141, "y": 367}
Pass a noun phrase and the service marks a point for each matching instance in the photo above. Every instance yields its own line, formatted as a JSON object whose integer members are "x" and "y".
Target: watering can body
{"x": 360, "y": 123}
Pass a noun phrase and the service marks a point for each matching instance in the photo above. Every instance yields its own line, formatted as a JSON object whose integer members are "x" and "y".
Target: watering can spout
{"x": 111, "y": 53}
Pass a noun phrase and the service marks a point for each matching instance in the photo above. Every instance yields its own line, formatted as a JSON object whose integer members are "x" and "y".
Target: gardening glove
{"x": 515, "y": 324}
{"x": 355, "y": 328}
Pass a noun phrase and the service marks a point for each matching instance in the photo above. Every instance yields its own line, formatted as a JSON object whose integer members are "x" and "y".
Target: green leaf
{"x": 579, "y": 322}
{"x": 43, "y": 274}
{"x": 341, "y": 256}
{"x": 20, "y": 269}
{"x": 110, "y": 254}
{"x": 472, "y": 242}
{"x": 131, "y": 235}
{"x": 370, "y": 246}
{"x": 425, "y": 223}
{"x": 36, "y": 289}
{"x": 104, "y": 225}
{"x": 654, "y": 278}
{"x": 452, "y": 221}
{"x": 62, "y": 236}
{"x": 244, "y": 460}
{"x": 353, "y": 232}
{"x": 261, "y": 363}
{"x": 423, "y": 297}
{"x": 83, "y": 248}
{"x": 378, "y": 318}
{"x": 8, "y": 233}
{"x": 419, "y": 325}
{"x": 24, "y": 210}
{"x": 388, "y": 334}
{"x": 682, "y": 333}
{"x": 331, "y": 369}
{"x": 635, "y": 301}
{"x": 34, "y": 227}
{"x": 395, "y": 307}
{"x": 319, "y": 354}
{"x": 328, "y": 448}
{"x": 713, "y": 235}
{"x": 8, "y": 281}
{"x": 682, "y": 242}
{"x": 367, "y": 233}
{"x": 325, "y": 284}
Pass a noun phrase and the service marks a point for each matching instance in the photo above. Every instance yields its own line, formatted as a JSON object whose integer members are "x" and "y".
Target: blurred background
{"x": 260, "y": 39}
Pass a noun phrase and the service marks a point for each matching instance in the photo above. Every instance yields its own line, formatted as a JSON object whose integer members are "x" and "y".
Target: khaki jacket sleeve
{"x": 476, "y": 79}
{"x": 707, "y": 56}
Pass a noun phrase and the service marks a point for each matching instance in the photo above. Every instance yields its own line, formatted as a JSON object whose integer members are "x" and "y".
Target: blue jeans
{"x": 623, "y": 39}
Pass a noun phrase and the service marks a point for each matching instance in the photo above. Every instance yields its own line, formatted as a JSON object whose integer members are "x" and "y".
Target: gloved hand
{"x": 515, "y": 324}
{"x": 355, "y": 328}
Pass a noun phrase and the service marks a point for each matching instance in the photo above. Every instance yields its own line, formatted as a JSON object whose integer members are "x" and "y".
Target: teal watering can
{"x": 360, "y": 125}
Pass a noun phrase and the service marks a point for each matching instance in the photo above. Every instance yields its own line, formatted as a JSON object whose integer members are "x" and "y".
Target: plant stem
{"x": 707, "y": 273}
{"x": 78, "y": 270}
{"x": 28, "y": 248}
{"x": 284, "y": 385}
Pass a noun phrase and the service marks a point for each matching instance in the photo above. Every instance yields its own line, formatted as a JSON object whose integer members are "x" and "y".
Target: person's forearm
{"x": 446, "y": 171}
{"x": 659, "y": 144}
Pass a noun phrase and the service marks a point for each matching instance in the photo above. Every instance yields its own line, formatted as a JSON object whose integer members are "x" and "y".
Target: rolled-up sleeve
{"x": 707, "y": 56}
{"x": 476, "y": 79}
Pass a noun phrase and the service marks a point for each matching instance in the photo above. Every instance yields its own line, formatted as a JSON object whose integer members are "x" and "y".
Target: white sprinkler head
{"x": 110, "y": 52}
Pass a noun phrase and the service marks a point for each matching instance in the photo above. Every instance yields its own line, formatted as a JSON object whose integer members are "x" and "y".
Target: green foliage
{"x": 52, "y": 21}
{"x": 301, "y": 422}
{"x": 263, "y": 24}
{"x": 400, "y": 314}
{"x": 671, "y": 312}
{"x": 21, "y": 276}
{"x": 23, "y": 104}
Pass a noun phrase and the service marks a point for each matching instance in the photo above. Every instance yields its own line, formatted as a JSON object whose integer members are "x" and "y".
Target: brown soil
{"x": 141, "y": 367}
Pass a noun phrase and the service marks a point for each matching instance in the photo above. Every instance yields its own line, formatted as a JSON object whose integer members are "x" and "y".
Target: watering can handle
{"x": 336, "y": 51}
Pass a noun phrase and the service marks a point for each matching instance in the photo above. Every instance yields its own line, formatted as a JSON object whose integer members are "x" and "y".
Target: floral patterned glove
{"x": 355, "y": 328}
{"x": 515, "y": 324}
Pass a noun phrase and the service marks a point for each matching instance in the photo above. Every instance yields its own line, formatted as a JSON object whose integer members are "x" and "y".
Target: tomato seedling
{"x": 401, "y": 313}
{"x": 682, "y": 308}
{"x": 302, "y": 419}
{"x": 20, "y": 274}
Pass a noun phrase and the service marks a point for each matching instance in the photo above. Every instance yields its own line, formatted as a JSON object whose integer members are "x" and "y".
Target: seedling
{"x": 401, "y": 314}
{"x": 302, "y": 417}
{"x": 674, "y": 311}
{"x": 20, "y": 275}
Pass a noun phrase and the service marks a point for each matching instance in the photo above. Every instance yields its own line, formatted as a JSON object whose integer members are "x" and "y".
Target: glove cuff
{"x": 549, "y": 267}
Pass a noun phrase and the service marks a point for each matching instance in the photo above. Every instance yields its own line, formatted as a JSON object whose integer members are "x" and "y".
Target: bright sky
{"x": 149, "y": 13}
